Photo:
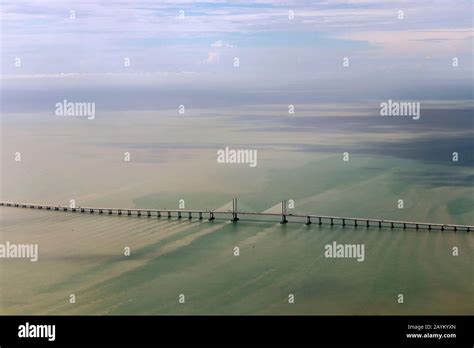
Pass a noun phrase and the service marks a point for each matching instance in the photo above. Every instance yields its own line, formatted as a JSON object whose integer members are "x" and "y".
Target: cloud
{"x": 212, "y": 57}
{"x": 221, "y": 44}
{"x": 151, "y": 33}
{"x": 417, "y": 42}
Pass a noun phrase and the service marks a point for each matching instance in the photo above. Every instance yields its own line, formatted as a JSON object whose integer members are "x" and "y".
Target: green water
{"x": 83, "y": 254}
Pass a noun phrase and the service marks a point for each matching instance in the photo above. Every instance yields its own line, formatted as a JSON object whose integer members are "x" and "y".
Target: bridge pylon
{"x": 235, "y": 218}
{"x": 283, "y": 212}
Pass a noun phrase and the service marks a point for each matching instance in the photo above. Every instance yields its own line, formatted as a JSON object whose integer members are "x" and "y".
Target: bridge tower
{"x": 234, "y": 210}
{"x": 283, "y": 212}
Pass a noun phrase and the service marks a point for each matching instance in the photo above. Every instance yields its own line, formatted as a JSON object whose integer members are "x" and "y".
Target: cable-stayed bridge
{"x": 231, "y": 210}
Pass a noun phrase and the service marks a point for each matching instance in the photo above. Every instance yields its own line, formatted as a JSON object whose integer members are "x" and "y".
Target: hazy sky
{"x": 189, "y": 47}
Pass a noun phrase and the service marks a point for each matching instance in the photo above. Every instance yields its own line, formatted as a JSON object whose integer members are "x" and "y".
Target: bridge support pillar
{"x": 355, "y": 223}
{"x": 343, "y": 222}
{"x": 179, "y": 215}
{"x": 200, "y": 215}
{"x": 190, "y": 216}
{"x": 169, "y": 215}
{"x": 308, "y": 220}
{"x": 319, "y": 221}
{"x": 139, "y": 213}
{"x": 119, "y": 212}
{"x": 158, "y": 215}
{"x": 367, "y": 223}
{"x": 211, "y": 216}
{"x": 332, "y": 221}
{"x": 283, "y": 219}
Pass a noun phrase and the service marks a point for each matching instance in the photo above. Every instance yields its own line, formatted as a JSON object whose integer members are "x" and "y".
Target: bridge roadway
{"x": 308, "y": 218}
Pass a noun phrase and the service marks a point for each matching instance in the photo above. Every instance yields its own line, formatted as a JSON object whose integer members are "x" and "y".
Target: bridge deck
{"x": 321, "y": 218}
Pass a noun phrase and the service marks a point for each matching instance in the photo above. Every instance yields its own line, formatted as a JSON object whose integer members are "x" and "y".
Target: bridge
{"x": 231, "y": 210}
